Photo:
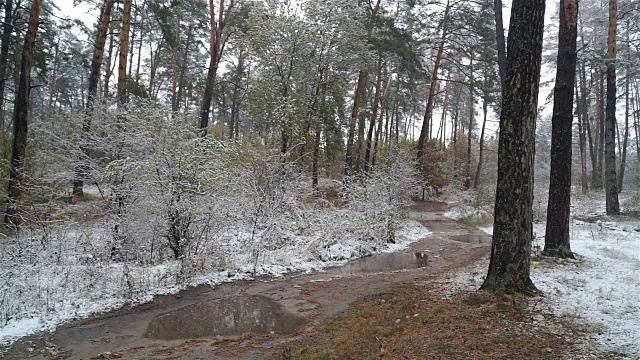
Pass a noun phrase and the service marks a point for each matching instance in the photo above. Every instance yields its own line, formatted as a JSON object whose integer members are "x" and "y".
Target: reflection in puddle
{"x": 390, "y": 262}
{"x": 472, "y": 239}
{"x": 225, "y": 317}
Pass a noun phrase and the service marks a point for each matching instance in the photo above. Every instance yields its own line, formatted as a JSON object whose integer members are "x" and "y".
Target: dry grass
{"x": 414, "y": 322}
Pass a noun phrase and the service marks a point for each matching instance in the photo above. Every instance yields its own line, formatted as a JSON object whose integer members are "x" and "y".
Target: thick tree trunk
{"x": 611, "y": 183}
{"x": 4, "y": 55}
{"x": 20, "y": 117}
{"x": 509, "y": 267}
{"x": 428, "y": 113}
{"x": 94, "y": 79}
{"x": 124, "y": 49}
{"x": 557, "y": 242}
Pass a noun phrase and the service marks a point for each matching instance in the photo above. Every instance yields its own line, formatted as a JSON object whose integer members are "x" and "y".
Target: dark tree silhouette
{"x": 557, "y": 233}
{"x": 513, "y": 228}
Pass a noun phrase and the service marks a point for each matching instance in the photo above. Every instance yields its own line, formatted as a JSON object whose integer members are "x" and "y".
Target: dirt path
{"x": 245, "y": 320}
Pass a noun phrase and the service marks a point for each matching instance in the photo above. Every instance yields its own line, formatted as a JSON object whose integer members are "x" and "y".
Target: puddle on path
{"x": 232, "y": 316}
{"x": 387, "y": 262}
{"x": 472, "y": 238}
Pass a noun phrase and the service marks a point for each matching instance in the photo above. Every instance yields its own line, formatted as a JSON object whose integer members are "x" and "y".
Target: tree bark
{"x": 557, "y": 242}
{"x": 124, "y": 49}
{"x": 509, "y": 267}
{"x": 611, "y": 183}
{"x": 94, "y": 79}
{"x": 20, "y": 117}
{"x": 428, "y": 113}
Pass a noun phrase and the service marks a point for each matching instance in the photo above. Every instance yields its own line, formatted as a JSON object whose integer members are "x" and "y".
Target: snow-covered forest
{"x": 147, "y": 147}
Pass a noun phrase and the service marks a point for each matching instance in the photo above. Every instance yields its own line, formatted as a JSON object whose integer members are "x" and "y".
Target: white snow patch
{"x": 603, "y": 287}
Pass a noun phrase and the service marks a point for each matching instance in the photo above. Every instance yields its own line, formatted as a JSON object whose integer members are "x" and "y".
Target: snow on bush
{"x": 176, "y": 209}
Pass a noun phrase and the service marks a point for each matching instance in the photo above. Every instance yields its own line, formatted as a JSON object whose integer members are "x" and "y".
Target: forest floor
{"x": 417, "y": 303}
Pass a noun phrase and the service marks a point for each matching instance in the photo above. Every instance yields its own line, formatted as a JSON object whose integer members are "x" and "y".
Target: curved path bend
{"x": 247, "y": 319}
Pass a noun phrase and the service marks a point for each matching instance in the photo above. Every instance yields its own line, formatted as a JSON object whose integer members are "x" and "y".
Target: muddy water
{"x": 164, "y": 328}
{"x": 225, "y": 317}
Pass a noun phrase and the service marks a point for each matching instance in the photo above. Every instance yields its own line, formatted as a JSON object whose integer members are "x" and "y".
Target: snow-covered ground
{"x": 602, "y": 286}
{"x": 76, "y": 291}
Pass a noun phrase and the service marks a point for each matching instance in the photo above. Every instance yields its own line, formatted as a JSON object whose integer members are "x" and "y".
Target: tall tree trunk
{"x": 625, "y": 141}
{"x": 485, "y": 104}
{"x": 428, "y": 113}
{"x": 635, "y": 109}
{"x": 216, "y": 47}
{"x": 509, "y": 267}
{"x": 20, "y": 117}
{"x": 467, "y": 182}
{"x": 124, "y": 49}
{"x": 557, "y": 242}
{"x": 583, "y": 140}
{"x": 372, "y": 120}
{"x": 502, "y": 57}
{"x": 601, "y": 131}
{"x": 4, "y": 55}
{"x": 611, "y": 183}
{"x": 443, "y": 119}
{"x": 357, "y": 99}
{"x": 586, "y": 104}
{"x": 94, "y": 79}
{"x": 456, "y": 118}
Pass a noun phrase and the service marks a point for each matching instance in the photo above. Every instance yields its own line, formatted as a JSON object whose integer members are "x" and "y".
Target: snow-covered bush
{"x": 165, "y": 208}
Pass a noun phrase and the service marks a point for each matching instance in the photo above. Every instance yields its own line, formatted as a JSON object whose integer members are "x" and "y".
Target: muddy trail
{"x": 248, "y": 319}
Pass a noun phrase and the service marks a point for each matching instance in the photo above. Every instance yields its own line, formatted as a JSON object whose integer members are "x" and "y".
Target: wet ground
{"x": 245, "y": 320}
